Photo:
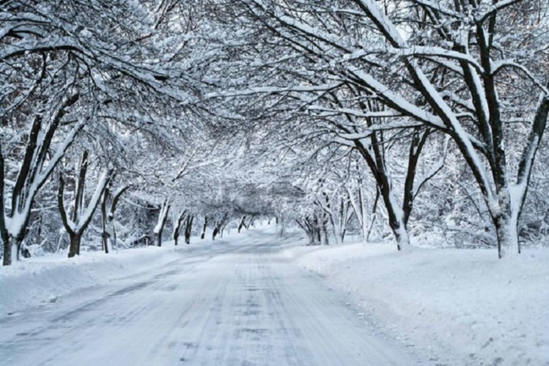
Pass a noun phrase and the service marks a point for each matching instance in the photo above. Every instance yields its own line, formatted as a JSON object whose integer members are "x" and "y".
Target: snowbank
{"x": 34, "y": 281}
{"x": 464, "y": 307}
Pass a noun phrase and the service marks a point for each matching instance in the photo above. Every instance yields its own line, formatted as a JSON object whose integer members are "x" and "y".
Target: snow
{"x": 464, "y": 307}
{"x": 447, "y": 306}
{"x": 94, "y": 201}
{"x": 384, "y": 23}
{"x": 399, "y": 102}
{"x": 35, "y": 281}
{"x": 244, "y": 304}
{"x": 437, "y": 51}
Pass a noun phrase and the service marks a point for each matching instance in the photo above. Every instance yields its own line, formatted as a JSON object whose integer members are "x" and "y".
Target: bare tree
{"x": 82, "y": 213}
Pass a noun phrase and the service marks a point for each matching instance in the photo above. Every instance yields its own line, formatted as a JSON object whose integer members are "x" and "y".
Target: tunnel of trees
{"x": 126, "y": 124}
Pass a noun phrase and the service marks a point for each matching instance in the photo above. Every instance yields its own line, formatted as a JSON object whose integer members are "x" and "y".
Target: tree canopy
{"x": 393, "y": 118}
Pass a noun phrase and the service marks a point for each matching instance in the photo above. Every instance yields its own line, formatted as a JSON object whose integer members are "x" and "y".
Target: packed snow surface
{"x": 235, "y": 302}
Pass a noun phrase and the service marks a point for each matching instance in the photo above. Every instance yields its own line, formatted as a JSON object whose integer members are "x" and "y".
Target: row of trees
{"x": 106, "y": 81}
{"x": 354, "y": 116}
{"x": 366, "y": 72}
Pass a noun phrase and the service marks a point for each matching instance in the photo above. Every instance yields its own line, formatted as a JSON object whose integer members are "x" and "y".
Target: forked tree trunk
{"x": 507, "y": 236}
{"x": 162, "y": 218}
{"x": 177, "y": 227}
{"x": 37, "y": 166}
{"x": 220, "y": 226}
{"x": 82, "y": 214}
{"x": 506, "y": 225}
{"x": 107, "y": 218}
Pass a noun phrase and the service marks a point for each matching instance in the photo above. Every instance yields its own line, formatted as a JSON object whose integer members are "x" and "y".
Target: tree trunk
{"x": 162, "y": 218}
{"x": 324, "y": 238}
{"x": 74, "y": 247}
{"x": 506, "y": 225}
{"x": 159, "y": 237}
{"x": 177, "y": 227}
{"x": 396, "y": 219}
{"x": 113, "y": 236}
{"x": 359, "y": 207}
{"x": 188, "y": 229}
{"x": 10, "y": 251}
{"x": 4, "y": 235}
{"x": 110, "y": 222}
{"x": 206, "y": 220}
{"x": 84, "y": 218}
{"x": 6, "y": 260}
{"x": 383, "y": 180}
{"x": 105, "y": 242}
{"x": 219, "y": 226}
{"x": 104, "y": 234}
{"x": 242, "y": 223}
{"x": 402, "y": 237}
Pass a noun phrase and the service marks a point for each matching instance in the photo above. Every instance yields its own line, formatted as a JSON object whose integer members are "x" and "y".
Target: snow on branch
{"x": 435, "y": 168}
{"x": 437, "y": 6}
{"x": 437, "y": 52}
{"x": 499, "y": 65}
{"x": 383, "y": 23}
{"x": 354, "y": 112}
{"x": 381, "y": 127}
{"x": 490, "y": 10}
{"x": 396, "y": 101}
{"x": 273, "y": 90}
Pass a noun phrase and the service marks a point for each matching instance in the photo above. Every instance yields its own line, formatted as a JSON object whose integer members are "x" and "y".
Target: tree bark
{"x": 177, "y": 227}
{"x": 206, "y": 221}
{"x": 104, "y": 234}
{"x": 394, "y": 212}
{"x": 4, "y": 235}
{"x": 242, "y": 223}
{"x": 82, "y": 219}
{"x": 162, "y": 218}
{"x": 9, "y": 243}
{"x": 188, "y": 229}
{"x": 74, "y": 247}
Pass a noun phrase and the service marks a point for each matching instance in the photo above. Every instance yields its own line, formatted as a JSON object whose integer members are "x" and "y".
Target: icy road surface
{"x": 244, "y": 306}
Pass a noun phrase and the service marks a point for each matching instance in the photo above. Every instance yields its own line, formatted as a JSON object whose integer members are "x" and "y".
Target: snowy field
{"x": 463, "y": 307}
{"x": 456, "y": 307}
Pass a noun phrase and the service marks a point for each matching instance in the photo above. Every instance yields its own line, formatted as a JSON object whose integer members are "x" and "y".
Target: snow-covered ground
{"x": 242, "y": 304}
{"x": 40, "y": 280}
{"x": 464, "y": 307}
{"x": 457, "y": 307}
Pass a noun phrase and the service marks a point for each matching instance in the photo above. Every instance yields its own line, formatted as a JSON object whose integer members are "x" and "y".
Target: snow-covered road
{"x": 247, "y": 305}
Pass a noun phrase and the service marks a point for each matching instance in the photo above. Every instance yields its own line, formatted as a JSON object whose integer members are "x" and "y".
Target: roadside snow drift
{"x": 465, "y": 307}
{"x": 34, "y": 281}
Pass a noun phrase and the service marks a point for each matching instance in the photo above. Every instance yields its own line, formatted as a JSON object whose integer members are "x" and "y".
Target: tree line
{"x": 401, "y": 117}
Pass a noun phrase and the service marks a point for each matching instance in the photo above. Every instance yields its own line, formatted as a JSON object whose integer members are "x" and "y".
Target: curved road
{"x": 244, "y": 306}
